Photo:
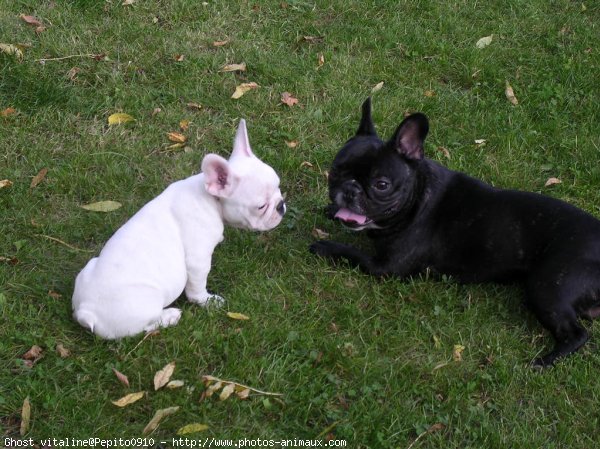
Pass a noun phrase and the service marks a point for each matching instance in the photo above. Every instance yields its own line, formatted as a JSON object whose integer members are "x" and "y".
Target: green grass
{"x": 357, "y": 359}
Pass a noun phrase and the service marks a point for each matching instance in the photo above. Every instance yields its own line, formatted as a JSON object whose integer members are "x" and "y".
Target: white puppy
{"x": 167, "y": 246}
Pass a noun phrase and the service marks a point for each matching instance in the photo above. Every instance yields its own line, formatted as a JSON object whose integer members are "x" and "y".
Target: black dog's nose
{"x": 281, "y": 208}
{"x": 351, "y": 189}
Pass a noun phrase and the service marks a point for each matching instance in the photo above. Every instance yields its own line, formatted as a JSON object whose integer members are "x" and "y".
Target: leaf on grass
{"x": 162, "y": 376}
{"x": 429, "y": 93}
{"x": 227, "y": 391}
{"x": 319, "y": 234}
{"x": 213, "y": 384}
{"x": 313, "y": 39}
{"x": 484, "y": 41}
{"x": 62, "y": 351}
{"x": 8, "y": 111}
{"x": 128, "y": 2}
{"x": 243, "y": 88}
{"x": 34, "y": 353}
{"x": 30, "y": 20}
{"x": 11, "y": 50}
{"x": 320, "y": 60}
{"x": 194, "y": 106}
{"x": 176, "y": 137}
{"x": 457, "y": 353}
{"x": 444, "y": 151}
{"x": 158, "y": 416}
{"x": 175, "y": 384}
{"x": 5, "y": 183}
{"x": 480, "y": 142}
{"x": 129, "y": 399}
{"x": 184, "y": 125}
{"x": 237, "y": 316}
{"x": 25, "y": 417}
{"x": 38, "y": 178}
{"x": 234, "y": 68}
{"x": 122, "y": 377}
{"x": 220, "y": 43}
{"x": 73, "y": 72}
{"x": 54, "y": 295}
{"x": 243, "y": 394}
{"x": 287, "y": 98}
{"x": 510, "y": 95}
{"x": 436, "y": 427}
{"x": 212, "y": 388}
{"x": 377, "y": 87}
{"x": 102, "y": 206}
{"x": 179, "y": 58}
{"x": 552, "y": 181}
{"x": 120, "y": 117}
{"x": 192, "y": 428}
{"x": 292, "y": 143}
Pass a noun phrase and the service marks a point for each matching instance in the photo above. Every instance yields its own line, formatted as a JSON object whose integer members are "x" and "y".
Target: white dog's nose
{"x": 281, "y": 208}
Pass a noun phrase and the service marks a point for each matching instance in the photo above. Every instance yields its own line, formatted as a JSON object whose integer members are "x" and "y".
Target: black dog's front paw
{"x": 324, "y": 248}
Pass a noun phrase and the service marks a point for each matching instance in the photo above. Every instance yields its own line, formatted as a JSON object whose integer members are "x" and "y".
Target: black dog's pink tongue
{"x": 348, "y": 215}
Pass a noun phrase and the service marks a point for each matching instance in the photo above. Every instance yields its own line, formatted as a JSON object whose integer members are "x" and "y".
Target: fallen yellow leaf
{"x": 237, "y": 316}
{"x": 220, "y": 43}
{"x": 102, "y": 206}
{"x": 184, "y": 125}
{"x": 243, "y": 88}
{"x": 157, "y": 418}
{"x": 120, "y": 117}
{"x": 234, "y": 68}
{"x": 12, "y": 50}
{"x": 292, "y": 143}
{"x": 175, "y": 384}
{"x": 377, "y": 87}
{"x": 227, "y": 391}
{"x": 162, "y": 377}
{"x": 510, "y": 95}
{"x": 62, "y": 351}
{"x": 192, "y": 428}
{"x": 484, "y": 41}
{"x": 176, "y": 137}
{"x": 457, "y": 353}
{"x": 38, "y": 178}
{"x": 25, "y": 417}
{"x": 129, "y": 399}
{"x": 5, "y": 183}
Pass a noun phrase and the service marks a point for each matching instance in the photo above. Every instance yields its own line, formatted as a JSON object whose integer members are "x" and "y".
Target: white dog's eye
{"x": 262, "y": 207}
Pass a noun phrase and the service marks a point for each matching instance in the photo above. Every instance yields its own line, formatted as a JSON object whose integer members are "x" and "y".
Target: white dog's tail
{"x": 85, "y": 318}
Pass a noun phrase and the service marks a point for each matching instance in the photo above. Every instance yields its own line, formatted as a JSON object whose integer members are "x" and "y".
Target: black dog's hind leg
{"x": 554, "y": 307}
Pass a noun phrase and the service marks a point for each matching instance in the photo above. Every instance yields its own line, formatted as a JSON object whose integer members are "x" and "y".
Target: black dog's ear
{"x": 366, "y": 127}
{"x": 410, "y": 135}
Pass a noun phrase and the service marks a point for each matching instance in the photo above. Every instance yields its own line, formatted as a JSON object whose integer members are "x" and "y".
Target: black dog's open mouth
{"x": 352, "y": 219}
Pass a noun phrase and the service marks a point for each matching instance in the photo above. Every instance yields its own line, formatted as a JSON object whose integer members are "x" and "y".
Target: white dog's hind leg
{"x": 168, "y": 317}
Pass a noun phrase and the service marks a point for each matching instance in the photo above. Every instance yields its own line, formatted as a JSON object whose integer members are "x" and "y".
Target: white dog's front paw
{"x": 206, "y": 300}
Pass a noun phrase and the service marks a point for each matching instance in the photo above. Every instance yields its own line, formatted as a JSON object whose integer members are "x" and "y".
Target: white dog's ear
{"x": 219, "y": 179}
{"x": 241, "y": 145}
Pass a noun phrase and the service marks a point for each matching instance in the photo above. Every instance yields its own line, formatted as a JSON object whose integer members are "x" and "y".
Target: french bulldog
{"x": 167, "y": 246}
{"x": 420, "y": 215}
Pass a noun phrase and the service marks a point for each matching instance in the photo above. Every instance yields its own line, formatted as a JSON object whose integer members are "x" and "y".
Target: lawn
{"x": 418, "y": 363}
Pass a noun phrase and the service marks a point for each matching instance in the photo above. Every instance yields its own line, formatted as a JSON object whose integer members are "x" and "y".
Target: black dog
{"x": 421, "y": 215}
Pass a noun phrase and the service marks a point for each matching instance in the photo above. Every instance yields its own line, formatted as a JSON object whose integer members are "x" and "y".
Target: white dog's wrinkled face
{"x": 247, "y": 188}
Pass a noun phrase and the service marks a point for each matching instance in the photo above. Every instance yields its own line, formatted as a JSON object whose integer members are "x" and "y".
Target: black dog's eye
{"x": 381, "y": 185}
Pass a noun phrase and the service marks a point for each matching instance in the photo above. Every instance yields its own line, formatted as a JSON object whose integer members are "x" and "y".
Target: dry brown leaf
{"x": 156, "y": 111}
{"x": 5, "y": 183}
{"x": 444, "y": 151}
{"x": 53, "y": 294}
{"x": 62, "y": 351}
{"x": 292, "y": 143}
{"x": 244, "y": 393}
{"x": 313, "y": 39}
{"x": 234, "y": 68}
{"x": 129, "y": 399}
{"x": 121, "y": 377}
{"x": 8, "y": 111}
{"x": 176, "y": 137}
{"x": 287, "y": 98}
{"x": 175, "y": 384}
{"x": 435, "y": 427}
{"x": 73, "y": 72}
{"x": 212, "y": 388}
{"x": 179, "y": 58}
{"x": 184, "y": 125}
{"x": 306, "y": 164}
{"x": 157, "y": 418}
{"x": 34, "y": 353}
{"x": 25, "y": 417}
{"x": 162, "y": 376}
{"x": 320, "y": 234}
{"x": 480, "y": 142}
{"x": 38, "y": 178}
{"x": 128, "y": 3}
{"x": 227, "y": 391}
{"x": 510, "y": 95}
{"x": 429, "y": 93}
{"x": 320, "y": 60}
{"x": 102, "y": 206}
{"x": 220, "y": 43}
{"x": 194, "y": 106}
{"x": 11, "y": 49}
{"x": 30, "y": 20}
{"x": 243, "y": 88}
{"x": 552, "y": 181}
